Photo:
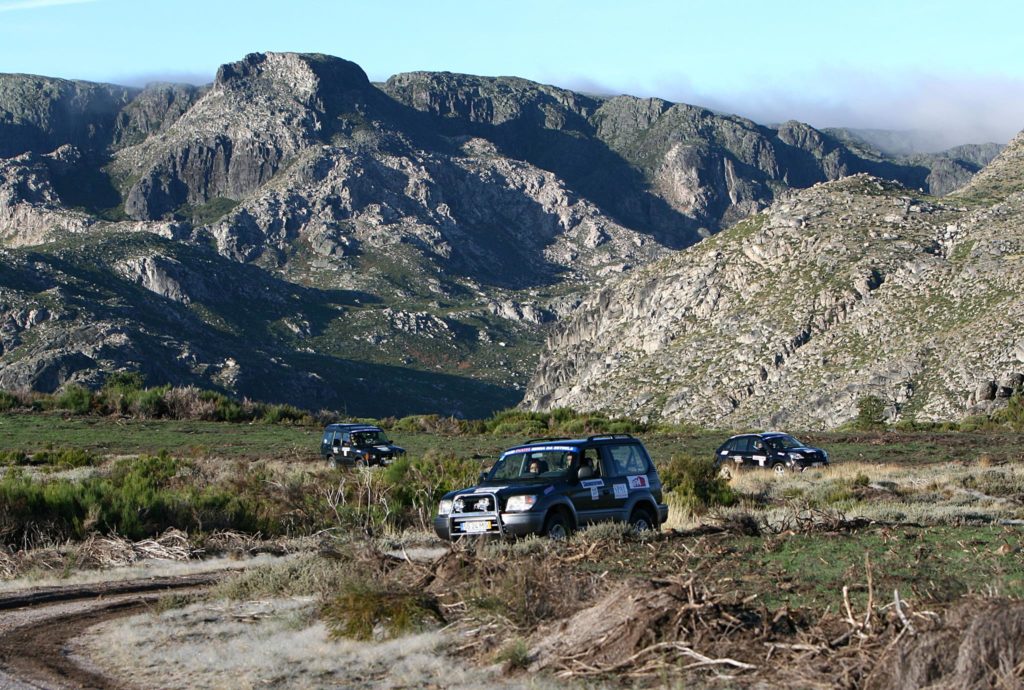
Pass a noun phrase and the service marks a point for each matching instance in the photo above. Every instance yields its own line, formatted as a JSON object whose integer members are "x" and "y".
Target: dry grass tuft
{"x": 368, "y": 610}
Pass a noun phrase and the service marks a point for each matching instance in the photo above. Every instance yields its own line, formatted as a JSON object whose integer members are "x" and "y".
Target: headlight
{"x": 445, "y": 508}
{"x": 520, "y": 503}
{"x": 796, "y": 456}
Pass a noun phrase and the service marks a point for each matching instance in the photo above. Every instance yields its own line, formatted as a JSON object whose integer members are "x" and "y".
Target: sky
{"x": 952, "y": 68}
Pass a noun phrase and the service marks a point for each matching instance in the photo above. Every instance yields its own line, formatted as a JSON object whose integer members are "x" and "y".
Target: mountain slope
{"x": 847, "y": 289}
{"x": 455, "y": 217}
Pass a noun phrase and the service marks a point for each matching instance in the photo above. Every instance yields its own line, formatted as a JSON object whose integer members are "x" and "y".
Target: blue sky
{"x": 940, "y": 65}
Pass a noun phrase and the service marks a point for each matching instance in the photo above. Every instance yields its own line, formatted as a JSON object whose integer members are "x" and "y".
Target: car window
{"x": 592, "y": 459}
{"x": 787, "y": 442}
{"x": 743, "y": 444}
{"x": 525, "y": 463}
{"x": 368, "y": 438}
{"x": 626, "y": 459}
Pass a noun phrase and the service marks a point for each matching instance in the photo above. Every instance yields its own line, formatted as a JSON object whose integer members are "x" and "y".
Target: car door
{"x": 738, "y": 451}
{"x": 627, "y": 468}
{"x": 758, "y": 454}
{"x": 586, "y": 494}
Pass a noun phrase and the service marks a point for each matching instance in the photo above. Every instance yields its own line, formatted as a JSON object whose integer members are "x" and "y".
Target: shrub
{"x": 415, "y": 485}
{"x": 68, "y": 458}
{"x": 150, "y": 403}
{"x": 514, "y": 656}
{"x": 276, "y": 414}
{"x": 870, "y": 413}
{"x": 125, "y": 380}
{"x": 76, "y": 399}
{"x": 368, "y": 609}
{"x": 1012, "y": 415}
{"x": 8, "y": 401}
{"x": 13, "y": 457}
{"x": 695, "y": 484}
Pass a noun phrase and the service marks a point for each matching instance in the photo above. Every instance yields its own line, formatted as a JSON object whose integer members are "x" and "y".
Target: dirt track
{"x": 36, "y": 626}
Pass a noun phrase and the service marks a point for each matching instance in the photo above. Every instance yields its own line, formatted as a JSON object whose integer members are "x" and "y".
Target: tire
{"x": 332, "y": 462}
{"x": 359, "y": 463}
{"x": 641, "y": 520}
{"x": 725, "y": 473}
{"x": 557, "y": 527}
{"x": 779, "y": 469}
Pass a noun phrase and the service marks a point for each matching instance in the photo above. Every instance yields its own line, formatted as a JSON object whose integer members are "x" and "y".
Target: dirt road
{"x": 36, "y": 626}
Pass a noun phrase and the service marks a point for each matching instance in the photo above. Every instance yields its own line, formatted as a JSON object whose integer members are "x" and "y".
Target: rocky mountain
{"x": 295, "y": 232}
{"x": 847, "y": 289}
{"x": 948, "y": 169}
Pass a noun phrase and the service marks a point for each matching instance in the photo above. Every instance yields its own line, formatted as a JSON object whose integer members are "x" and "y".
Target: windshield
{"x": 785, "y": 442}
{"x": 369, "y": 438}
{"x": 550, "y": 462}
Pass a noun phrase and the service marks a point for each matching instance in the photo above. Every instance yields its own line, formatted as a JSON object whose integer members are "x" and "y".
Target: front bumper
{"x": 662, "y": 513}
{"x": 455, "y": 525}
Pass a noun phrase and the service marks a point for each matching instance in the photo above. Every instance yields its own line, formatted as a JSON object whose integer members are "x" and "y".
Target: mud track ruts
{"x": 34, "y": 653}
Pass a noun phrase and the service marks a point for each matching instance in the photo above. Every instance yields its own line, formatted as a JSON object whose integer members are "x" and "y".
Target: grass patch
{"x": 369, "y": 610}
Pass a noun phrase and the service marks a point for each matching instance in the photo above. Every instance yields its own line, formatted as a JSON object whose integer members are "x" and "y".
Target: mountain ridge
{"x": 461, "y": 215}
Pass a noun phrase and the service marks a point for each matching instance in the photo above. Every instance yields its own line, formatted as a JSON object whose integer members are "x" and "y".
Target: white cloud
{"x": 38, "y": 4}
{"x": 946, "y": 109}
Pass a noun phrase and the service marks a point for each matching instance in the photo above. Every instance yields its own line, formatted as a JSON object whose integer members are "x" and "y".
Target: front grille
{"x": 475, "y": 514}
{"x": 474, "y": 503}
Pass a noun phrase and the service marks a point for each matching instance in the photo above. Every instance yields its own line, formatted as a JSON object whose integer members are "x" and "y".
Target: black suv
{"x": 772, "y": 450}
{"x": 360, "y": 445}
{"x": 552, "y": 486}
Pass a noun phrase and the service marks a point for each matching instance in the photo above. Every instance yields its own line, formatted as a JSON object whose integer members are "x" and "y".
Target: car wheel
{"x": 557, "y": 527}
{"x": 332, "y": 462}
{"x": 779, "y": 469}
{"x": 641, "y": 520}
{"x": 360, "y": 462}
{"x": 725, "y": 473}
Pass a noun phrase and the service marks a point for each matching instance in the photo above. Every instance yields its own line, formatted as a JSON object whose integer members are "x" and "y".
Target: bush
{"x": 870, "y": 413}
{"x": 694, "y": 483}
{"x": 277, "y": 414}
{"x": 75, "y": 399}
{"x": 1012, "y": 415}
{"x": 150, "y": 404}
{"x": 367, "y": 609}
{"x": 8, "y": 401}
{"x": 13, "y": 457}
{"x": 68, "y": 458}
{"x": 415, "y": 485}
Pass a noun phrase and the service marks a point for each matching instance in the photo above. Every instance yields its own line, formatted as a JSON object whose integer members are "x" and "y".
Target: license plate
{"x": 476, "y": 527}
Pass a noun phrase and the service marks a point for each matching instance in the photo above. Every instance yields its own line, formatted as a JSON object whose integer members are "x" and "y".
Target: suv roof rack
{"x": 603, "y": 437}
{"x": 545, "y": 438}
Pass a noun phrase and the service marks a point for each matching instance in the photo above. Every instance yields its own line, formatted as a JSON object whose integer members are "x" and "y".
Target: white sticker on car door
{"x": 621, "y": 490}
{"x": 591, "y": 483}
{"x": 595, "y": 493}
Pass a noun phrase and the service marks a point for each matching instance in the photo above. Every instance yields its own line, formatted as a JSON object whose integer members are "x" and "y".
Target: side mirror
{"x": 585, "y": 472}
{"x": 483, "y": 476}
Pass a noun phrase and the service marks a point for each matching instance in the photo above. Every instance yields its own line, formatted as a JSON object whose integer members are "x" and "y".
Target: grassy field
{"x": 812, "y": 569}
{"x": 260, "y": 441}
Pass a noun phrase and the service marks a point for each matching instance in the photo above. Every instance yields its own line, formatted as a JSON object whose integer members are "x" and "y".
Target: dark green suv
{"x": 358, "y": 445}
{"x": 553, "y": 486}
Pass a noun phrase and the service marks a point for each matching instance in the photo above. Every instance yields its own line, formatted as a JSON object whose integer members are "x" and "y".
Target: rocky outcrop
{"x": 31, "y": 211}
{"x": 41, "y": 114}
{"x": 488, "y": 218}
{"x": 155, "y": 109}
{"x": 258, "y": 113}
{"x": 847, "y": 289}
